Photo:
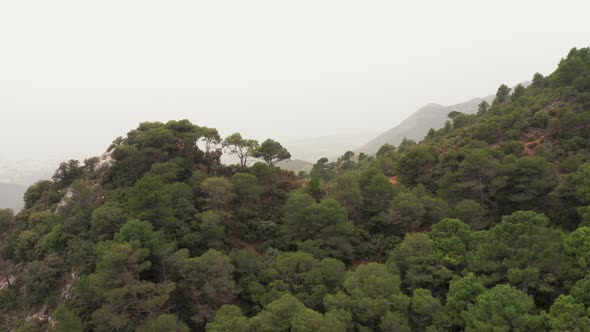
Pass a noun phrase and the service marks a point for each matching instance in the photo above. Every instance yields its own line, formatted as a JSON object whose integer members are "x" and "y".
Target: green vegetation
{"x": 482, "y": 226}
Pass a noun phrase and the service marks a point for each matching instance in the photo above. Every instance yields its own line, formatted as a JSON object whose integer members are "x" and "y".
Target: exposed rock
{"x": 105, "y": 160}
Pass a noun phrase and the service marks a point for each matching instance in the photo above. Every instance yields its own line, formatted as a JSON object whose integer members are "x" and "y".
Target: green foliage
{"x": 106, "y": 220}
{"x": 241, "y": 147}
{"x": 582, "y": 183}
{"x": 326, "y": 224}
{"x": 6, "y": 218}
{"x": 164, "y": 236}
{"x": 567, "y": 315}
{"x": 220, "y": 193}
{"x": 502, "y": 308}
{"x": 371, "y": 290}
{"x": 208, "y": 281}
{"x": 416, "y": 166}
{"x": 247, "y": 188}
{"x": 451, "y": 239}
{"x": 67, "y": 321}
{"x": 521, "y": 250}
{"x": 483, "y": 107}
{"x": 271, "y": 152}
{"x": 309, "y": 320}
{"x": 502, "y": 93}
{"x": 415, "y": 260}
{"x": 164, "y": 322}
{"x": 126, "y": 300}
{"x": 229, "y": 318}
{"x": 462, "y": 294}
{"x": 346, "y": 191}
{"x": 577, "y": 245}
{"x": 278, "y": 315}
{"x": 376, "y": 191}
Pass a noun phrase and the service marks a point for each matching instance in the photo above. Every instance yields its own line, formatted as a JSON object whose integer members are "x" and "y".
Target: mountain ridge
{"x": 416, "y": 126}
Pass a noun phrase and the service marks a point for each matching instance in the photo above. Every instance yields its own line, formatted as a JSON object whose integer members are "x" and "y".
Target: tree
{"x": 427, "y": 311}
{"x": 144, "y": 234}
{"x": 306, "y": 277}
{"x": 325, "y": 224}
{"x": 148, "y": 201}
{"x": 472, "y": 213}
{"x": 405, "y": 145}
{"x": 577, "y": 245}
{"x": 6, "y": 218}
{"x": 538, "y": 80}
{"x": 376, "y": 190}
{"x": 323, "y": 169}
{"x": 271, "y": 152}
{"x": 371, "y": 292}
{"x": 582, "y": 183}
{"x": 39, "y": 279}
{"x": 211, "y": 229}
{"x": 247, "y": 188}
{"x": 568, "y": 315}
{"x": 67, "y": 321}
{"x": 518, "y": 92}
{"x": 165, "y": 322}
{"x": 220, "y": 193}
{"x": 106, "y": 220}
{"x": 451, "y": 240}
{"x": 125, "y": 299}
{"x": 581, "y": 291}
{"x": 395, "y": 322}
{"x": 462, "y": 294}
{"x": 208, "y": 281}
{"x": 503, "y": 308}
{"x": 478, "y": 173}
{"x": 66, "y": 173}
{"x": 502, "y": 93}
{"x": 309, "y": 320}
{"x": 345, "y": 162}
{"x": 210, "y": 138}
{"x": 416, "y": 166}
{"x": 406, "y": 213}
{"x": 345, "y": 189}
{"x": 521, "y": 250}
{"x": 277, "y": 315}
{"x": 241, "y": 147}
{"x": 414, "y": 259}
{"x": 229, "y": 318}
{"x": 529, "y": 181}
{"x": 483, "y": 107}
{"x": 385, "y": 149}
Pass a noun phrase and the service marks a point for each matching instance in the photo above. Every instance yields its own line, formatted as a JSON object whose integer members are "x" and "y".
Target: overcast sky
{"x": 76, "y": 74}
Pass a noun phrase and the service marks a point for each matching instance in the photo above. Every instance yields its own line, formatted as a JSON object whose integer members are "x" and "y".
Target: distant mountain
{"x": 295, "y": 165}
{"x": 329, "y": 146}
{"x": 417, "y": 125}
{"x": 11, "y": 196}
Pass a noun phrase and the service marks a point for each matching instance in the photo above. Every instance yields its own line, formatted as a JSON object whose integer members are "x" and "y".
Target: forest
{"x": 484, "y": 225}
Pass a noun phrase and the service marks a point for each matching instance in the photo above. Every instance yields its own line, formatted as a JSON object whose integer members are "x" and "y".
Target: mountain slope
{"x": 417, "y": 125}
{"x": 158, "y": 235}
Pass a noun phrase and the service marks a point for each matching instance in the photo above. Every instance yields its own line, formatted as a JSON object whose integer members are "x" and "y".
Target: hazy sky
{"x": 76, "y": 74}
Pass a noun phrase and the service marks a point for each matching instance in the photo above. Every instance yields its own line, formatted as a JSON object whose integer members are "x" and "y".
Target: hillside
{"x": 295, "y": 165}
{"x": 482, "y": 226}
{"x": 416, "y": 126}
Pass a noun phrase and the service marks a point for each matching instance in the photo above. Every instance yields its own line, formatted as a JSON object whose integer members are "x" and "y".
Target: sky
{"x": 76, "y": 74}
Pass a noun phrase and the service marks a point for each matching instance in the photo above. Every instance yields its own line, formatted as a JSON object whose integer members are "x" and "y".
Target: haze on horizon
{"x": 74, "y": 75}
